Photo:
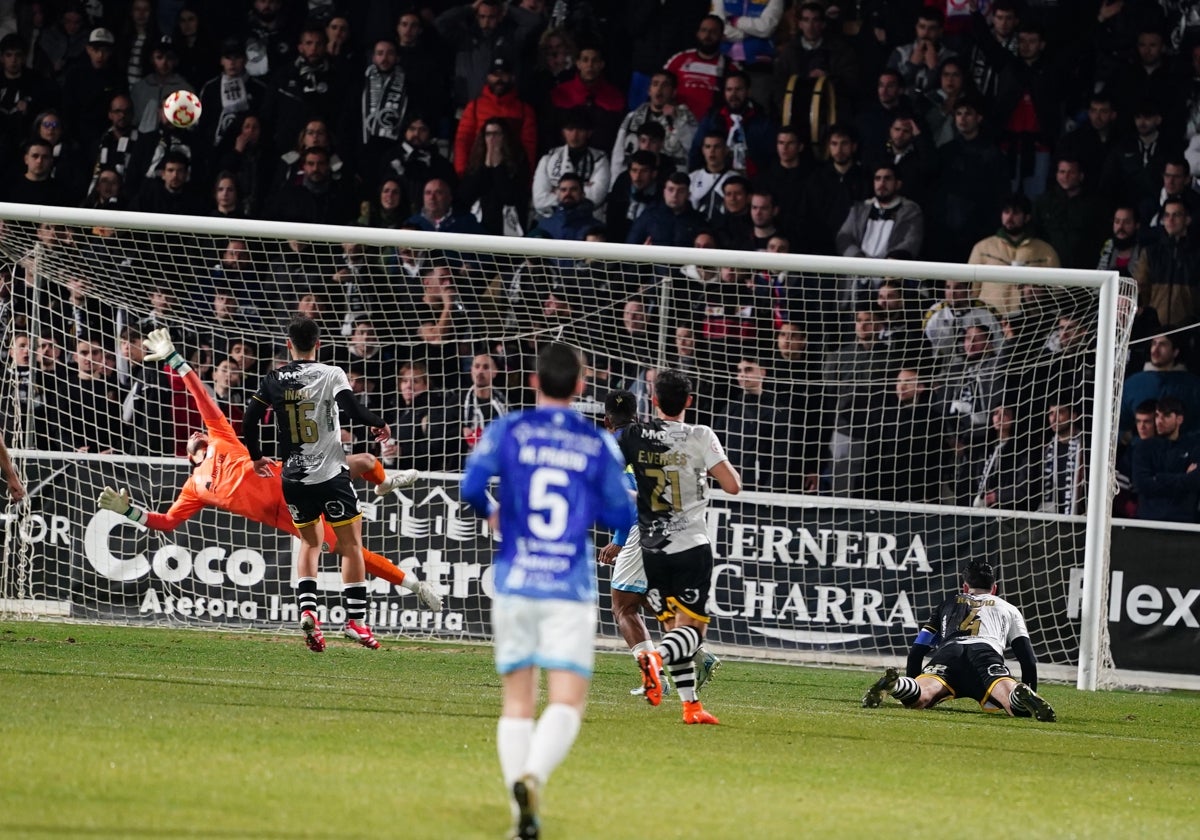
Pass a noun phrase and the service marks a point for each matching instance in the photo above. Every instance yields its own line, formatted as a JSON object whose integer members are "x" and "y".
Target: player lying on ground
{"x": 223, "y": 477}
{"x": 624, "y": 554}
{"x": 970, "y": 631}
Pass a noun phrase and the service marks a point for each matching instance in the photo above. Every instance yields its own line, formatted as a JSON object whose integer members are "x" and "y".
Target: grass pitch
{"x": 144, "y": 733}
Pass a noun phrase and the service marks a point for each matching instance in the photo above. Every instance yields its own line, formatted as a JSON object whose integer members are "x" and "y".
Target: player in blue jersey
{"x": 561, "y": 475}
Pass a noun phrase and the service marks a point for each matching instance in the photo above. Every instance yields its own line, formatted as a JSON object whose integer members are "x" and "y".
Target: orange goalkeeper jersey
{"x": 226, "y": 478}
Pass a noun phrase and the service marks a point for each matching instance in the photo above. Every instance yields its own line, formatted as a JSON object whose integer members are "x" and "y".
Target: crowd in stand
{"x": 1033, "y": 133}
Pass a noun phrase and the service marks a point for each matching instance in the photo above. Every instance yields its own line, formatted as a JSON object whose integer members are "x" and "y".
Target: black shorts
{"x": 968, "y": 670}
{"x": 334, "y": 499}
{"x": 679, "y": 582}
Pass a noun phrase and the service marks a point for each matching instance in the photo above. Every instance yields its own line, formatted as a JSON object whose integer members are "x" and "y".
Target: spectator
{"x": 390, "y": 209}
{"x": 749, "y": 27}
{"x": 498, "y": 100}
{"x": 23, "y": 93}
{"x": 946, "y": 319}
{"x": 36, "y": 185}
{"x": 416, "y": 159}
{"x": 733, "y": 226}
{"x": 884, "y": 224}
{"x": 907, "y": 444}
{"x": 226, "y": 202}
{"x": 971, "y": 185}
{"x": 385, "y": 94}
{"x": 417, "y": 55}
{"x": 572, "y": 218}
{"x": 467, "y": 413}
{"x": 1064, "y": 461}
{"x": 1176, "y": 184}
{"x": 834, "y": 187}
{"x": 411, "y": 420}
{"x": 1134, "y": 168}
{"x": 478, "y": 33}
{"x": 316, "y": 135}
{"x": 171, "y": 193}
{"x": 150, "y": 91}
{"x": 1125, "y": 504}
{"x": 437, "y": 212}
{"x": 495, "y": 188}
{"x": 1013, "y": 244}
{"x": 1150, "y": 78}
{"x": 65, "y": 42}
{"x": 914, "y": 158}
{"x": 244, "y": 154}
{"x": 788, "y": 172}
{"x": 226, "y": 389}
{"x": 756, "y": 428}
{"x": 139, "y": 33}
{"x": 90, "y": 85}
{"x": 268, "y": 38}
{"x": 1123, "y": 250}
{"x": 1071, "y": 217}
{"x": 857, "y": 369}
{"x": 813, "y": 55}
{"x": 995, "y": 472}
{"x": 1164, "y": 375}
{"x": 1170, "y": 268}
{"x": 93, "y": 394}
{"x": 147, "y": 427}
{"x": 319, "y": 197}
{"x": 917, "y": 61}
{"x": 1029, "y": 111}
{"x": 747, "y": 130}
{"x": 679, "y": 124}
{"x": 1165, "y": 468}
{"x": 700, "y": 69}
{"x": 588, "y": 91}
{"x": 936, "y": 107}
{"x": 764, "y": 216}
{"x": 972, "y": 384}
{"x": 707, "y": 183}
{"x": 107, "y": 192}
{"x": 1092, "y": 142}
{"x": 233, "y": 92}
{"x": 672, "y": 222}
{"x": 116, "y": 143}
{"x": 992, "y": 45}
{"x": 194, "y": 41}
{"x": 67, "y": 157}
{"x": 633, "y": 192}
{"x": 556, "y": 53}
{"x": 575, "y": 155}
{"x": 307, "y": 87}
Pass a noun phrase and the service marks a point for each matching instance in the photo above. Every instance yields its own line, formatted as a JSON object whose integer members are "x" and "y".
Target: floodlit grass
{"x": 119, "y": 732}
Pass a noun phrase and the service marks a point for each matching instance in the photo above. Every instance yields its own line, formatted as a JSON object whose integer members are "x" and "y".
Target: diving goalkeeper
{"x": 223, "y": 477}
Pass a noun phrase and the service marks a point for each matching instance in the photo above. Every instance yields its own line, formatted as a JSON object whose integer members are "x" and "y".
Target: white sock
{"x": 641, "y": 646}
{"x": 552, "y": 739}
{"x": 410, "y": 583}
{"x": 513, "y": 736}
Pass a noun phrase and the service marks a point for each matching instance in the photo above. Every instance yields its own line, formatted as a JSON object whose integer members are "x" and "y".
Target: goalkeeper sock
{"x": 306, "y": 594}
{"x": 354, "y": 599}
{"x": 376, "y": 475}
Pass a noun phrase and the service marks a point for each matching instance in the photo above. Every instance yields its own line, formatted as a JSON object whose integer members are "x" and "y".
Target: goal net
{"x": 888, "y": 424}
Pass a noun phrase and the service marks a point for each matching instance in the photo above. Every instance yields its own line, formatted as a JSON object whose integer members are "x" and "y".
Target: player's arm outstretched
{"x": 16, "y": 490}
{"x": 160, "y": 348}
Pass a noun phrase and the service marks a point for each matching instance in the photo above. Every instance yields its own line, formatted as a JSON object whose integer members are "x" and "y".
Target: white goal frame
{"x": 1104, "y": 284}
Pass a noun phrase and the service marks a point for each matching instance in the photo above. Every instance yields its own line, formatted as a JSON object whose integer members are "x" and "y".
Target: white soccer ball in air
{"x": 182, "y": 109}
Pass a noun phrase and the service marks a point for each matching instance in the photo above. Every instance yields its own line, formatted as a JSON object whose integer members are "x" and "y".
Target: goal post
{"x": 862, "y": 401}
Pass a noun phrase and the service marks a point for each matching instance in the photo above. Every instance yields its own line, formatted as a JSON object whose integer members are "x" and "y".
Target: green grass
{"x": 119, "y": 732}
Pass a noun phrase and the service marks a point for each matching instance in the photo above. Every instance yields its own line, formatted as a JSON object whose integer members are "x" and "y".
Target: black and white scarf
{"x": 1062, "y": 474}
{"x": 384, "y": 102}
{"x": 234, "y": 100}
{"x": 474, "y": 415}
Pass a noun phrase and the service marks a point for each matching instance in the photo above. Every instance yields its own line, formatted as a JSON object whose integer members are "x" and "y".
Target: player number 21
{"x": 548, "y": 506}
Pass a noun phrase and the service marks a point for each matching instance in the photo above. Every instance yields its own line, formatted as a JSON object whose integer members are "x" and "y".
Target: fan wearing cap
{"x": 90, "y": 85}
{"x": 153, "y": 88}
{"x": 498, "y": 100}
{"x": 224, "y": 97}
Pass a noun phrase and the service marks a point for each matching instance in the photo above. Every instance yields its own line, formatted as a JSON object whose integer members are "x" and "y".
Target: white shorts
{"x": 629, "y": 573}
{"x": 550, "y": 633}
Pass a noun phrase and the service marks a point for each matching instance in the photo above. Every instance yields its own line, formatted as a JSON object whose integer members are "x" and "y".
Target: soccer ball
{"x": 182, "y": 109}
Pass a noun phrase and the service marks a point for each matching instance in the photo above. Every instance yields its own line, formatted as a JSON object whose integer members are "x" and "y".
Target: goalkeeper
{"x": 223, "y": 477}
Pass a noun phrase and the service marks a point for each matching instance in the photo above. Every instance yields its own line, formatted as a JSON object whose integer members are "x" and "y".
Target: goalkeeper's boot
{"x": 706, "y": 666}
{"x": 360, "y": 633}
{"x": 640, "y": 691}
{"x": 401, "y": 478}
{"x": 313, "y": 637}
{"x": 525, "y": 792}
{"x": 428, "y": 596}
{"x": 1032, "y": 702}
{"x": 873, "y": 699}
{"x": 693, "y": 712}
{"x": 650, "y": 661}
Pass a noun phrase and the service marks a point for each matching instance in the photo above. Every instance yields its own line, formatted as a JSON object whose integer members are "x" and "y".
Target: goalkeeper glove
{"x": 110, "y": 499}
{"x": 160, "y": 348}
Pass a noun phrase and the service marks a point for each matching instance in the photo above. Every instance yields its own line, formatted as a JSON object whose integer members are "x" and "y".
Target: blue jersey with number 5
{"x": 559, "y": 475}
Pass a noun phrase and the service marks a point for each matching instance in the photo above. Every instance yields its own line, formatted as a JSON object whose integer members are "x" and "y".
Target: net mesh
{"x": 887, "y": 426}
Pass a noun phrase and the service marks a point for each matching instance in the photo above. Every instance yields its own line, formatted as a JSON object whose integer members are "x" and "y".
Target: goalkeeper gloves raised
{"x": 160, "y": 348}
{"x": 118, "y": 502}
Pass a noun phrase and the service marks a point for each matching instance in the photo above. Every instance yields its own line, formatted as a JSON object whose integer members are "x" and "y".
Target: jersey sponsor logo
{"x": 335, "y": 509}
